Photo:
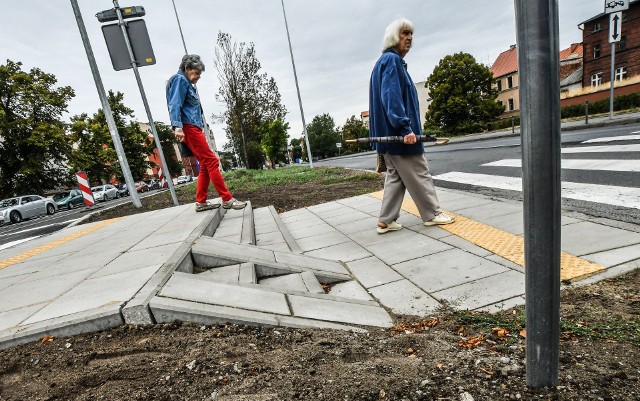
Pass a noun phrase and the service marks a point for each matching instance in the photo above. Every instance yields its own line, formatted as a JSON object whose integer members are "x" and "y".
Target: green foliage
{"x": 463, "y": 99}
{"x": 274, "y": 140}
{"x": 621, "y": 102}
{"x": 95, "y": 153}
{"x": 251, "y": 98}
{"x": 33, "y": 142}
{"x": 296, "y": 149}
{"x": 167, "y": 141}
{"x": 353, "y": 129}
{"x": 323, "y": 136}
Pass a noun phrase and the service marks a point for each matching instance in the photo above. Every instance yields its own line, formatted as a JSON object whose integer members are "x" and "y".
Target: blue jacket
{"x": 393, "y": 104}
{"x": 183, "y": 102}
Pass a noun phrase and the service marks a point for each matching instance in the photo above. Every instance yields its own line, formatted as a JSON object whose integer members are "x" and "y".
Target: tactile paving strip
{"x": 35, "y": 251}
{"x": 502, "y": 243}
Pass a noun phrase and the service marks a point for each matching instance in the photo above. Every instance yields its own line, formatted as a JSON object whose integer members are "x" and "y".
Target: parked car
{"x": 153, "y": 184}
{"x": 14, "y": 210}
{"x": 142, "y": 186}
{"x": 122, "y": 189}
{"x": 183, "y": 179}
{"x": 104, "y": 192}
{"x": 69, "y": 199}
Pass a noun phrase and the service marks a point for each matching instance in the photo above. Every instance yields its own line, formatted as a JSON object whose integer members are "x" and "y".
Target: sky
{"x": 335, "y": 45}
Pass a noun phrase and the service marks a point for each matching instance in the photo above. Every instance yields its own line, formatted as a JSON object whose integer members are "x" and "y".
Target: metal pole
{"x": 538, "y": 58}
{"x": 513, "y": 125}
{"x": 295, "y": 75}
{"x": 586, "y": 112}
{"x": 113, "y": 129}
{"x": 152, "y": 124}
{"x": 613, "y": 78}
{"x": 211, "y": 140}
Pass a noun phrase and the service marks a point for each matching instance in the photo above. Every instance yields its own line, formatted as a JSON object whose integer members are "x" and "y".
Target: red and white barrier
{"x": 163, "y": 182}
{"x": 83, "y": 183}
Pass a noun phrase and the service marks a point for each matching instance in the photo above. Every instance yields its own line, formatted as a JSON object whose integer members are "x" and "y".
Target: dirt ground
{"x": 449, "y": 356}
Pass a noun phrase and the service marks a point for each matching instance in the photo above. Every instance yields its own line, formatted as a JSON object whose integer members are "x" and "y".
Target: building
{"x": 423, "y": 99}
{"x": 188, "y": 163}
{"x": 571, "y": 69}
{"x": 364, "y": 117}
{"x": 505, "y": 71}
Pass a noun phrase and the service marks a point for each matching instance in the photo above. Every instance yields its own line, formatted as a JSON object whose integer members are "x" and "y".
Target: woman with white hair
{"x": 394, "y": 111}
{"x": 186, "y": 120}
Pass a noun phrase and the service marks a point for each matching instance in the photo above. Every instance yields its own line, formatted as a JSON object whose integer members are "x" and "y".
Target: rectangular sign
{"x": 613, "y": 6}
{"x": 615, "y": 27}
{"x": 140, "y": 42}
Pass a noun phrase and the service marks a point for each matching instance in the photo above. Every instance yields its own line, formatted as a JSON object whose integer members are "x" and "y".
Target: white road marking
{"x": 611, "y": 195}
{"x": 615, "y": 138}
{"x": 39, "y": 227}
{"x": 602, "y": 149}
{"x": 12, "y": 243}
{"x": 579, "y": 164}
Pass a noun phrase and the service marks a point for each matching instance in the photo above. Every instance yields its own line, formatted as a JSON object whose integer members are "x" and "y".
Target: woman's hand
{"x": 179, "y": 134}
{"x": 410, "y": 139}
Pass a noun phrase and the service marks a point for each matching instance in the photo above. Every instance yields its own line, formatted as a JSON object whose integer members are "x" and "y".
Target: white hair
{"x": 392, "y": 33}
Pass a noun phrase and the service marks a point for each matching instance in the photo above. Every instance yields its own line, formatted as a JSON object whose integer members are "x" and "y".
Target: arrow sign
{"x": 613, "y": 6}
{"x": 615, "y": 27}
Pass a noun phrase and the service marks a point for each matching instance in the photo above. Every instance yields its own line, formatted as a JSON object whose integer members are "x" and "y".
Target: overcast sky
{"x": 335, "y": 44}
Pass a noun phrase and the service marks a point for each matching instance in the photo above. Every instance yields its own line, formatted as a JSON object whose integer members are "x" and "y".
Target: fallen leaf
{"x": 499, "y": 332}
{"x": 461, "y": 330}
{"x": 523, "y": 333}
{"x": 46, "y": 339}
{"x": 410, "y": 350}
{"x": 471, "y": 342}
{"x": 439, "y": 366}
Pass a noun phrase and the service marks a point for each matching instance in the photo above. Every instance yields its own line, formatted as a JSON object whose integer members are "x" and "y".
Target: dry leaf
{"x": 439, "y": 366}
{"x": 410, "y": 350}
{"x": 523, "y": 333}
{"x": 499, "y": 332}
{"x": 46, "y": 339}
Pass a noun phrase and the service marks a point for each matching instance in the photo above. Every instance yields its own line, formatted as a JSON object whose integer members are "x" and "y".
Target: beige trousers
{"x": 410, "y": 173}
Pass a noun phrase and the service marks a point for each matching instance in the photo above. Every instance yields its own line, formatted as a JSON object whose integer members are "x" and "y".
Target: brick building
{"x": 597, "y": 49}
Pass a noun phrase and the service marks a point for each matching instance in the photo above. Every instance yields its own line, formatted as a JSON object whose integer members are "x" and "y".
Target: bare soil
{"x": 457, "y": 356}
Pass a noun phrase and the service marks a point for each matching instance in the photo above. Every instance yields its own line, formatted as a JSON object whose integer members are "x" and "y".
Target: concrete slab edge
{"x": 288, "y": 238}
{"x": 248, "y": 235}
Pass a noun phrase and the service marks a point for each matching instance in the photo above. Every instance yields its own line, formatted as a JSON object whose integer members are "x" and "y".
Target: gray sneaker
{"x": 233, "y": 203}
{"x": 200, "y": 207}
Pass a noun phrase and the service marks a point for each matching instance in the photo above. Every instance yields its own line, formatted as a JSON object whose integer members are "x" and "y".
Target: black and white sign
{"x": 615, "y": 27}
{"x": 613, "y": 6}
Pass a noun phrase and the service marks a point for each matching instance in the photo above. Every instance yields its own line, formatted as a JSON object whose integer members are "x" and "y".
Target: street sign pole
{"x": 152, "y": 124}
{"x": 539, "y": 65}
{"x": 113, "y": 129}
{"x": 615, "y": 29}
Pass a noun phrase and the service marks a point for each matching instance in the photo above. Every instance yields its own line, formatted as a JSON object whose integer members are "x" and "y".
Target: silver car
{"x": 105, "y": 192}
{"x": 14, "y": 210}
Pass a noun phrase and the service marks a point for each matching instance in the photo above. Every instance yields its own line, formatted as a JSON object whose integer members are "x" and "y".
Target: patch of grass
{"x": 250, "y": 180}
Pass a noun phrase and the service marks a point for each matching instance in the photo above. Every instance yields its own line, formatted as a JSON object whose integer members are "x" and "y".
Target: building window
{"x": 509, "y": 82}
{"x": 596, "y": 51}
{"x": 622, "y": 44}
{"x": 499, "y": 82}
{"x": 596, "y": 79}
{"x": 621, "y": 73}
{"x": 500, "y": 103}
{"x": 596, "y": 27}
{"x": 511, "y": 104}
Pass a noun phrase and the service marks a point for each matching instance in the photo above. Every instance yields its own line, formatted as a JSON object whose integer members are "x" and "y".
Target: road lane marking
{"x": 20, "y": 241}
{"x": 39, "y": 228}
{"x": 42, "y": 248}
{"x": 502, "y": 243}
{"x": 603, "y": 149}
{"x": 579, "y": 164}
{"x": 614, "y": 138}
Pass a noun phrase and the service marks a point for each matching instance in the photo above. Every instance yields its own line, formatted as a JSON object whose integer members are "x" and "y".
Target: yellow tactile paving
{"x": 502, "y": 243}
{"x": 35, "y": 251}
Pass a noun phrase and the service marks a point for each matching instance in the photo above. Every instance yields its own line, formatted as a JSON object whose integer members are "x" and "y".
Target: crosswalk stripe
{"x": 603, "y": 149}
{"x": 579, "y": 164}
{"x": 607, "y": 194}
{"x": 614, "y": 138}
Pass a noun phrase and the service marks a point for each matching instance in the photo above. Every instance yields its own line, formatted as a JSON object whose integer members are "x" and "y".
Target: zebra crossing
{"x": 623, "y": 196}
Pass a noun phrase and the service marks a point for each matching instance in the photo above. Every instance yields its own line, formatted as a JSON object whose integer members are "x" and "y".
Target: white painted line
{"x": 579, "y": 164}
{"x": 12, "y": 243}
{"x": 602, "y": 149}
{"x": 607, "y": 194}
{"x": 40, "y": 227}
{"x": 615, "y": 138}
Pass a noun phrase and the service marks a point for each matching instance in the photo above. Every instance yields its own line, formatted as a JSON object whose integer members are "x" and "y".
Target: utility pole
{"x": 113, "y": 129}
{"x": 539, "y": 65}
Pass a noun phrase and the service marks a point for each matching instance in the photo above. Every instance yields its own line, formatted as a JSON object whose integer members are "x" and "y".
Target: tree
{"x": 94, "y": 152}
{"x": 463, "y": 99}
{"x": 33, "y": 142}
{"x": 296, "y": 149}
{"x": 274, "y": 140}
{"x": 323, "y": 136}
{"x": 252, "y": 99}
{"x": 353, "y": 129}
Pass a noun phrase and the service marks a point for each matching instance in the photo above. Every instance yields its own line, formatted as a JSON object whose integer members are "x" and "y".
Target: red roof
{"x": 506, "y": 63}
{"x": 573, "y": 51}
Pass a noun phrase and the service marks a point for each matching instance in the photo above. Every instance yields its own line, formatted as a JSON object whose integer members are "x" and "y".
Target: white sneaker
{"x": 233, "y": 203}
{"x": 393, "y": 226}
{"x": 440, "y": 219}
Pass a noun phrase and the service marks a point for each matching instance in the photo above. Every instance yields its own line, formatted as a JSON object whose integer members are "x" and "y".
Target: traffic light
{"x": 127, "y": 12}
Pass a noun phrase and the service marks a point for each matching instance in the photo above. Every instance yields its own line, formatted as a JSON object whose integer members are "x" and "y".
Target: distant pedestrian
{"x": 185, "y": 112}
{"x": 394, "y": 111}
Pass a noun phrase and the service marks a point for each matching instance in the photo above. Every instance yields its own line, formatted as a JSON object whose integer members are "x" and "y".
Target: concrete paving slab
{"x": 434, "y": 232}
{"x": 447, "y": 269}
{"x": 285, "y": 282}
{"x": 502, "y": 305}
{"x": 485, "y": 291}
{"x": 189, "y": 287}
{"x": 298, "y": 215}
{"x": 209, "y": 252}
{"x": 138, "y": 259}
{"x": 349, "y": 216}
{"x": 306, "y": 232}
{"x": 585, "y": 238}
{"x": 465, "y": 245}
{"x": 309, "y": 262}
{"x": 224, "y": 273}
{"x": 505, "y": 262}
{"x": 341, "y": 312}
{"x": 405, "y": 298}
{"x": 301, "y": 323}
{"x": 281, "y": 246}
{"x": 29, "y": 266}
{"x": 358, "y": 201}
{"x": 372, "y": 272}
{"x": 311, "y": 283}
{"x": 407, "y": 219}
{"x": 80, "y": 261}
{"x": 350, "y": 289}
{"x": 344, "y": 252}
{"x": 9, "y": 281}
{"x": 459, "y": 205}
{"x": 413, "y": 246}
{"x": 489, "y": 212}
{"x": 263, "y": 239}
{"x": 234, "y": 238}
{"x": 14, "y": 317}
{"x": 284, "y": 231}
{"x": 325, "y": 207}
{"x": 247, "y": 273}
{"x": 368, "y": 223}
{"x": 306, "y": 224}
{"x": 321, "y": 241}
{"x": 615, "y": 256}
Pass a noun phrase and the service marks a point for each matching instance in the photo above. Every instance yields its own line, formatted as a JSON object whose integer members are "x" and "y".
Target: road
{"x": 600, "y": 169}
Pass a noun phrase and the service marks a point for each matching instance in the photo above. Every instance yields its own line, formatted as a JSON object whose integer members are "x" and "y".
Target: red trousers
{"x": 209, "y": 164}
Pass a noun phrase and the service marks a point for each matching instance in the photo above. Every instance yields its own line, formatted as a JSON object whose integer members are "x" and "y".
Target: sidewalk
{"x": 260, "y": 268}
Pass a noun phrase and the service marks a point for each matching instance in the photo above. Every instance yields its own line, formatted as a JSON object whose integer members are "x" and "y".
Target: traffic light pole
{"x": 152, "y": 124}
{"x": 538, "y": 59}
{"x": 113, "y": 129}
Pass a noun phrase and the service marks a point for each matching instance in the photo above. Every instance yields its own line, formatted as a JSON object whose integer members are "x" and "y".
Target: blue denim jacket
{"x": 183, "y": 102}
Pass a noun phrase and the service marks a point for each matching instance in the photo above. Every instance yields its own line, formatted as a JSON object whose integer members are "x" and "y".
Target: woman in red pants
{"x": 186, "y": 120}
